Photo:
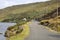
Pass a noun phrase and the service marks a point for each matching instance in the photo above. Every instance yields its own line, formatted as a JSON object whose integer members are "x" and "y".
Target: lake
{"x": 3, "y": 28}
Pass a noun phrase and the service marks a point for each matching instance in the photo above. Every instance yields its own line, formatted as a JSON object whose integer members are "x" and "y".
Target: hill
{"x": 52, "y": 20}
{"x": 50, "y": 15}
{"x": 29, "y": 11}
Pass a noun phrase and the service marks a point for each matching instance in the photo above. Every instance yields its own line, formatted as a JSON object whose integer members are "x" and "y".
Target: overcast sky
{"x": 6, "y": 3}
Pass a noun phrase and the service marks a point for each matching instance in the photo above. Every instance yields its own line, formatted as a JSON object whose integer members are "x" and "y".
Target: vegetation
{"x": 20, "y": 35}
{"x": 40, "y": 11}
{"x": 52, "y": 20}
{"x": 14, "y": 30}
{"x": 11, "y": 31}
{"x": 29, "y": 11}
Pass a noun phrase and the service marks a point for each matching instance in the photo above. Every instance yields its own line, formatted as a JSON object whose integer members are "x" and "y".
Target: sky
{"x": 6, "y": 3}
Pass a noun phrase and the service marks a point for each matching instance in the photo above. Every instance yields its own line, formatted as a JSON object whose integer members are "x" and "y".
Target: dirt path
{"x": 38, "y": 32}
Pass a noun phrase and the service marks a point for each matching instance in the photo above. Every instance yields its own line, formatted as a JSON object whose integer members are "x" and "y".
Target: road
{"x": 39, "y": 32}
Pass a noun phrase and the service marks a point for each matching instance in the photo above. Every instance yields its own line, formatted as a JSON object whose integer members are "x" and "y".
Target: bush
{"x": 42, "y": 23}
{"x": 14, "y": 30}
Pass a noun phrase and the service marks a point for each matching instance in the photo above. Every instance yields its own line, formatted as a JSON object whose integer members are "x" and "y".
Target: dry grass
{"x": 22, "y": 35}
{"x": 54, "y": 23}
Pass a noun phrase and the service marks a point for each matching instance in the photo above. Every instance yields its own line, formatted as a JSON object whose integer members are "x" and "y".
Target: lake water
{"x": 3, "y": 28}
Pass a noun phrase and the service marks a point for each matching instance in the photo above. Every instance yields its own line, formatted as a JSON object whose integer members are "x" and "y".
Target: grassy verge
{"x": 22, "y": 35}
{"x": 53, "y": 24}
{"x": 52, "y": 30}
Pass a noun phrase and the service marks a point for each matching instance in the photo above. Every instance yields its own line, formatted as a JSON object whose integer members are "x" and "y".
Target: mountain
{"x": 29, "y": 11}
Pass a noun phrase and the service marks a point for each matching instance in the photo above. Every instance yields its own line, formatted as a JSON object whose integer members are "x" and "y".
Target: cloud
{"x": 6, "y": 3}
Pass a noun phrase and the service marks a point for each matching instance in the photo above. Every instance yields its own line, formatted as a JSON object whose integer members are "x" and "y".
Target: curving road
{"x": 38, "y": 32}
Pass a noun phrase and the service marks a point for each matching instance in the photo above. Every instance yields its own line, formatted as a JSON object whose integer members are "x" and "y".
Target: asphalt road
{"x": 39, "y": 32}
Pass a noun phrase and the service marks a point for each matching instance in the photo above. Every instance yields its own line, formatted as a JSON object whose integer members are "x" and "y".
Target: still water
{"x": 3, "y": 28}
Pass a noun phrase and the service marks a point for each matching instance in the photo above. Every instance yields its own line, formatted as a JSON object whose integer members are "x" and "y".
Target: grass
{"x": 22, "y": 35}
{"x": 33, "y": 10}
{"x": 54, "y": 23}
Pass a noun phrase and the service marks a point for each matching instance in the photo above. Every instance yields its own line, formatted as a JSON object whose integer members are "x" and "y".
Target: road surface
{"x": 39, "y": 32}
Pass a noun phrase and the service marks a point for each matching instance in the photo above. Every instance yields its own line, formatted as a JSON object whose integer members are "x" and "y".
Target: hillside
{"x": 29, "y": 11}
{"x": 50, "y": 15}
{"x": 52, "y": 20}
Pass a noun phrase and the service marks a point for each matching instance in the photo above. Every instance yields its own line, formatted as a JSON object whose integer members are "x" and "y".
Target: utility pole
{"x": 57, "y": 9}
{"x": 57, "y": 16}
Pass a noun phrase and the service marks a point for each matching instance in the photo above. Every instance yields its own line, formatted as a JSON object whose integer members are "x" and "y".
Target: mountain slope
{"x": 33, "y": 10}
